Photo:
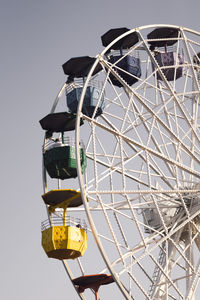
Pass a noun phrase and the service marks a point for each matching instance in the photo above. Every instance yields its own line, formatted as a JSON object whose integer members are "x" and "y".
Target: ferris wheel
{"x": 134, "y": 113}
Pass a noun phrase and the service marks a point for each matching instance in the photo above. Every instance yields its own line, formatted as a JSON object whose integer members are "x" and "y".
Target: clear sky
{"x": 37, "y": 37}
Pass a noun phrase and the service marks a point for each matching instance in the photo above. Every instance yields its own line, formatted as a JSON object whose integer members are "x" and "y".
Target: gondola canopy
{"x": 164, "y": 33}
{"x": 124, "y": 43}
{"x": 78, "y": 67}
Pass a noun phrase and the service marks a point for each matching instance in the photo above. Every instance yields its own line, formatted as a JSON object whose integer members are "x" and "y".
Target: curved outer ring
{"x": 77, "y": 138}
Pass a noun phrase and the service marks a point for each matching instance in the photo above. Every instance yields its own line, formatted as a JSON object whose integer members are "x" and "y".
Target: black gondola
{"x": 77, "y": 68}
{"x": 161, "y": 40}
{"x": 116, "y": 55}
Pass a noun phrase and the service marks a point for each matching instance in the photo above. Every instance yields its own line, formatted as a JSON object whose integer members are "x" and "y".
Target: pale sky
{"x": 37, "y": 37}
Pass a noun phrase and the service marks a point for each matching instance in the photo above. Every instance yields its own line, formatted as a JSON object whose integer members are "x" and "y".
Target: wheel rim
{"x": 143, "y": 165}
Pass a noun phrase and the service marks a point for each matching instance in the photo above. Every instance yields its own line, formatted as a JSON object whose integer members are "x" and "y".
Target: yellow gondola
{"x": 62, "y": 237}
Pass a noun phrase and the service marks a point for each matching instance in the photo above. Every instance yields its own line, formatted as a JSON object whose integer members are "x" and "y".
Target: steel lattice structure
{"x": 141, "y": 188}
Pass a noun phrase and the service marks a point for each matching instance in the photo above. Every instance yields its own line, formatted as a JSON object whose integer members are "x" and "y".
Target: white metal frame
{"x": 154, "y": 130}
{"x": 177, "y": 175}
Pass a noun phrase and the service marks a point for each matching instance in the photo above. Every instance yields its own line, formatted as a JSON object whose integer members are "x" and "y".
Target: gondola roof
{"x": 162, "y": 33}
{"x": 87, "y": 280}
{"x": 59, "y": 122}
{"x": 77, "y": 67}
{"x": 124, "y": 43}
{"x": 55, "y": 197}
